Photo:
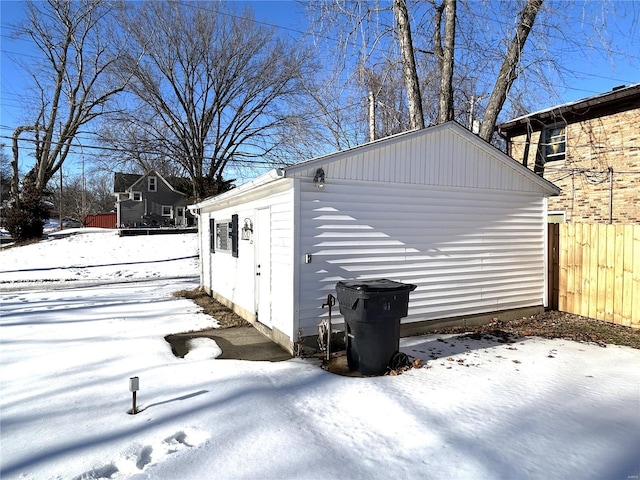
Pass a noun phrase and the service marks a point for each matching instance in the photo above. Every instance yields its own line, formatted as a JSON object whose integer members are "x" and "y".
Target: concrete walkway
{"x": 239, "y": 343}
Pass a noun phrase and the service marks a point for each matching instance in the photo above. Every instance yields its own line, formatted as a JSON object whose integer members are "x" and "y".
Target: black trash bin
{"x": 372, "y": 310}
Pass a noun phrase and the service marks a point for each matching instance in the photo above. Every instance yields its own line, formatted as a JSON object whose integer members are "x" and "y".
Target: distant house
{"x": 590, "y": 149}
{"x": 150, "y": 200}
{"x": 439, "y": 208}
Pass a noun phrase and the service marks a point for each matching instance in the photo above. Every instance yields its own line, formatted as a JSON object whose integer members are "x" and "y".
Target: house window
{"x": 136, "y": 196}
{"x": 555, "y": 142}
{"x": 167, "y": 211}
{"x": 152, "y": 184}
{"x": 226, "y": 234}
{"x": 223, "y": 235}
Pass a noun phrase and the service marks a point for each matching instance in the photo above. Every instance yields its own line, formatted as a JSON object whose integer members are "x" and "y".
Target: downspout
{"x": 507, "y": 141}
{"x": 202, "y": 247}
{"x": 527, "y": 144}
{"x": 118, "y": 223}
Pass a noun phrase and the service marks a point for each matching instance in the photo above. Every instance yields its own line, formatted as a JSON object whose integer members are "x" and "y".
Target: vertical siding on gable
{"x": 469, "y": 251}
{"x": 441, "y": 157}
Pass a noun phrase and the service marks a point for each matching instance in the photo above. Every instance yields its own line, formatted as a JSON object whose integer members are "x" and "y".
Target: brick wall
{"x": 592, "y": 147}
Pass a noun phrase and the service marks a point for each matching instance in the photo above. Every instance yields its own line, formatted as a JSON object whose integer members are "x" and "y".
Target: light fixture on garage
{"x": 318, "y": 178}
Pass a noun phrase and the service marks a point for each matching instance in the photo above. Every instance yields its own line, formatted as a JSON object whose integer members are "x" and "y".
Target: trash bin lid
{"x": 380, "y": 285}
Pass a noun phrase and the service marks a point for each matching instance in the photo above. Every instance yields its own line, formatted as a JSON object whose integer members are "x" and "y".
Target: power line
{"x": 326, "y": 37}
{"x": 235, "y": 161}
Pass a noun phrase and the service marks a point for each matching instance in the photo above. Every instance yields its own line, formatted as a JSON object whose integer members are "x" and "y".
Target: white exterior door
{"x": 180, "y": 216}
{"x": 262, "y": 235}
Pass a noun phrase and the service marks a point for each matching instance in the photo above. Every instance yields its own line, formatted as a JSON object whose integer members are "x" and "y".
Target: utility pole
{"x": 84, "y": 195}
{"x": 60, "y": 226}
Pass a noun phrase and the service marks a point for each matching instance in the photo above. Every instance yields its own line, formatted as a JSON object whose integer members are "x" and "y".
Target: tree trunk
{"x": 409, "y": 65}
{"x": 508, "y": 74}
{"x": 445, "y": 57}
{"x": 15, "y": 174}
{"x": 73, "y": 74}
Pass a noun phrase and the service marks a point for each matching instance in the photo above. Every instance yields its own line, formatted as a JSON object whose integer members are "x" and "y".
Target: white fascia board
{"x": 270, "y": 176}
{"x": 509, "y": 162}
{"x": 169, "y": 185}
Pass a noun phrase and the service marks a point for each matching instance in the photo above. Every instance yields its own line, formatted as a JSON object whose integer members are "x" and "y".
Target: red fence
{"x": 101, "y": 220}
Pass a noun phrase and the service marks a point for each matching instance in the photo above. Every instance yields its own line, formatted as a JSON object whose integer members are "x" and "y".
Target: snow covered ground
{"x": 72, "y": 337}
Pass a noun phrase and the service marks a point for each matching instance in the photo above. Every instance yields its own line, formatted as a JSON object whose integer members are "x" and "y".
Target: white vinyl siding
{"x": 226, "y": 275}
{"x": 469, "y": 251}
{"x": 234, "y": 278}
{"x": 282, "y": 258}
{"x": 439, "y": 157}
{"x": 438, "y": 208}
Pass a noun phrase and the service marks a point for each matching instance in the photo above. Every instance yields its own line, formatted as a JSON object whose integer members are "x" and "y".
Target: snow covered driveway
{"x": 480, "y": 409}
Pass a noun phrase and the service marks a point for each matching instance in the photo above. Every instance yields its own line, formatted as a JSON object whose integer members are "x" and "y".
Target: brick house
{"x": 590, "y": 149}
{"x": 150, "y": 200}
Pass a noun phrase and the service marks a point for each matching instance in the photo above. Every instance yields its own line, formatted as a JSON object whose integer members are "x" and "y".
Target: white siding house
{"x": 438, "y": 208}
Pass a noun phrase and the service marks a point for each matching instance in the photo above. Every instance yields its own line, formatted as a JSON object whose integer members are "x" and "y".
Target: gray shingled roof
{"x": 122, "y": 181}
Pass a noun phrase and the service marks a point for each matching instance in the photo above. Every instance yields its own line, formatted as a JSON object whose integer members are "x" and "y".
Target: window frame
{"x": 152, "y": 184}
{"x": 170, "y": 214}
{"x": 555, "y": 134}
{"x": 223, "y": 235}
{"x": 136, "y": 196}
{"x": 226, "y": 236}
{"x": 212, "y": 235}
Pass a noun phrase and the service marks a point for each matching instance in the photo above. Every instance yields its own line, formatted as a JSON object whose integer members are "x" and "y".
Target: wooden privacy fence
{"x": 599, "y": 271}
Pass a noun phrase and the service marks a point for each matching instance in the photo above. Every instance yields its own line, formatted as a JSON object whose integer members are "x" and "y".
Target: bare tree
{"x": 212, "y": 87}
{"x": 332, "y": 116}
{"x": 508, "y": 70}
{"x": 366, "y": 76}
{"x": 453, "y": 81}
{"x": 5, "y": 175}
{"x": 80, "y": 196}
{"x": 69, "y": 200}
{"x": 445, "y": 55}
{"x": 73, "y": 84}
{"x": 5, "y": 182}
{"x": 134, "y": 149}
{"x": 410, "y": 73}
{"x": 99, "y": 185}
{"x": 388, "y": 105}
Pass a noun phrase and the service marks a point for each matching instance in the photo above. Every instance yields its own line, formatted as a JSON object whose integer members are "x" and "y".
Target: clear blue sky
{"x": 589, "y": 72}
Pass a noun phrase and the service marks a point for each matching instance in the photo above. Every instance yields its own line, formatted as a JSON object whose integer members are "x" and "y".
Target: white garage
{"x": 439, "y": 208}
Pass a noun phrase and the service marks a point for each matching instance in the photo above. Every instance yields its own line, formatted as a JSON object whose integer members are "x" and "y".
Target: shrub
{"x": 25, "y": 217}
